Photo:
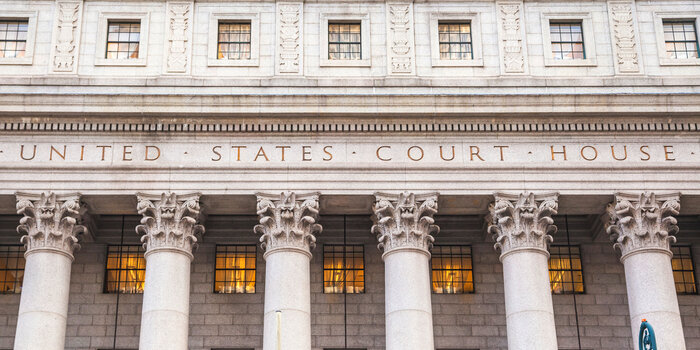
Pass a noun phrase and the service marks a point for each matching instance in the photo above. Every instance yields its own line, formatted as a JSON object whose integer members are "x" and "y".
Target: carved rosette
{"x": 50, "y": 222}
{"x": 288, "y": 221}
{"x": 523, "y": 221}
{"x": 169, "y": 222}
{"x": 644, "y": 221}
{"x": 400, "y": 38}
{"x": 405, "y": 221}
{"x": 178, "y": 14}
{"x": 511, "y": 37}
{"x": 289, "y": 37}
{"x": 624, "y": 35}
{"x": 65, "y": 47}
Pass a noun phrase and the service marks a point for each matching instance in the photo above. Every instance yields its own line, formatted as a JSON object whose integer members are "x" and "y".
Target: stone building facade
{"x": 565, "y": 133}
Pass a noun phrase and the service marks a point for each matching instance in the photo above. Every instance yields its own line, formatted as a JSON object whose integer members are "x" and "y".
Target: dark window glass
{"x": 235, "y": 269}
{"x": 13, "y": 38}
{"x": 344, "y": 41}
{"x": 343, "y": 268}
{"x": 567, "y": 41}
{"x": 683, "y": 270}
{"x": 234, "y": 41}
{"x": 452, "y": 269}
{"x": 126, "y": 269}
{"x": 565, "y": 270}
{"x": 681, "y": 39}
{"x": 455, "y": 40}
{"x": 123, "y": 40}
{"x": 11, "y": 268}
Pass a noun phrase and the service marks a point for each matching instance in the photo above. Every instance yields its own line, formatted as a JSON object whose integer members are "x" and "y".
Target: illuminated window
{"x": 343, "y": 268}
{"x": 123, "y": 40}
{"x": 565, "y": 271}
{"x": 11, "y": 268}
{"x": 567, "y": 41}
{"x": 234, "y": 41}
{"x": 344, "y": 41}
{"x": 455, "y": 40}
{"x": 235, "y": 269}
{"x": 126, "y": 269}
{"x": 681, "y": 39}
{"x": 683, "y": 270}
{"x": 13, "y": 38}
{"x": 452, "y": 269}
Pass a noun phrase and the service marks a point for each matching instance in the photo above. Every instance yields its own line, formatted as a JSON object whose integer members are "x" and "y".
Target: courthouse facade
{"x": 296, "y": 175}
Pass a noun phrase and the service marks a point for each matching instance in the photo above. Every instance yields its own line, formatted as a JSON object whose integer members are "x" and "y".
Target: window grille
{"x": 13, "y": 38}
{"x": 565, "y": 270}
{"x": 123, "y": 40}
{"x": 683, "y": 270}
{"x": 681, "y": 39}
{"x": 452, "y": 271}
{"x": 235, "y": 269}
{"x": 126, "y": 269}
{"x": 344, "y": 41}
{"x": 343, "y": 268}
{"x": 11, "y": 268}
{"x": 455, "y": 40}
{"x": 567, "y": 41}
{"x": 234, "y": 41}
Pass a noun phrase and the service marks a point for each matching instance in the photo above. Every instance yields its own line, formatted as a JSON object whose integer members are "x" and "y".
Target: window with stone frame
{"x": 452, "y": 271}
{"x": 455, "y": 40}
{"x": 567, "y": 40}
{"x": 684, "y": 270}
{"x": 13, "y": 37}
{"x": 343, "y": 268}
{"x": 565, "y": 269}
{"x": 11, "y": 268}
{"x": 344, "y": 41}
{"x": 123, "y": 40}
{"x": 681, "y": 39}
{"x": 235, "y": 269}
{"x": 126, "y": 269}
{"x": 234, "y": 41}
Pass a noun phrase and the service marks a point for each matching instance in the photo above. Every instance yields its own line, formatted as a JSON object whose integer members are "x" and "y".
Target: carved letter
{"x": 327, "y": 151}
{"x": 563, "y": 151}
{"x": 62, "y": 155}
{"x": 641, "y": 149}
{"x": 595, "y": 153}
{"x": 148, "y": 148}
{"x": 443, "y": 157}
{"x": 668, "y": 151}
{"x": 472, "y": 153}
{"x": 21, "y": 153}
{"x": 379, "y": 156}
{"x": 410, "y": 156}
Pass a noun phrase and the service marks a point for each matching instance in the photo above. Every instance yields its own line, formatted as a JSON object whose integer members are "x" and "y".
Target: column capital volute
{"x": 170, "y": 222}
{"x": 288, "y": 221}
{"x": 523, "y": 221}
{"x": 50, "y": 222}
{"x": 643, "y": 221}
{"x": 405, "y": 221}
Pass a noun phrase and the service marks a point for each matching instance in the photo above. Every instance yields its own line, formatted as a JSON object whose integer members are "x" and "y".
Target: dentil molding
{"x": 288, "y": 221}
{"x": 405, "y": 221}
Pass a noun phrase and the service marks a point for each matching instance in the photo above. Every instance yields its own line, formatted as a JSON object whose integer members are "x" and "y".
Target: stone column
{"x": 404, "y": 226}
{"x": 170, "y": 229}
{"x": 522, "y": 226}
{"x": 50, "y": 227}
{"x": 643, "y": 227}
{"x": 287, "y": 227}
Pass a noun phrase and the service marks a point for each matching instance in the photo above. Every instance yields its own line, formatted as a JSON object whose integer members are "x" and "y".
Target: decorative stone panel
{"x": 288, "y": 221}
{"x": 50, "y": 222}
{"x": 66, "y": 36}
{"x": 523, "y": 221}
{"x": 405, "y": 221}
{"x": 643, "y": 221}
{"x": 511, "y": 39}
{"x": 289, "y": 29}
{"x": 179, "y": 18}
{"x": 169, "y": 222}
{"x": 624, "y": 36}
{"x": 400, "y": 38}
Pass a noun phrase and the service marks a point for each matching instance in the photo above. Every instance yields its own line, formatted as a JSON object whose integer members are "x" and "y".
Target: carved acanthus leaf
{"x": 169, "y": 221}
{"x": 522, "y": 221}
{"x": 288, "y": 220}
{"x": 644, "y": 221}
{"x": 405, "y": 220}
{"x": 50, "y": 221}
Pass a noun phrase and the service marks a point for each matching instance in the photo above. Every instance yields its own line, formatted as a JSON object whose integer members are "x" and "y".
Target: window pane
{"x": 683, "y": 270}
{"x": 681, "y": 39}
{"x": 123, "y": 40}
{"x": 344, "y": 41}
{"x": 567, "y": 41}
{"x": 125, "y": 269}
{"x": 565, "y": 272}
{"x": 235, "y": 269}
{"x": 234, "y": 41}
{"x": 343, "y": 269}
{"x": 13, "y": 37}
{"x": 455, "y": 40}
{"x": 11, "y": 268}
{"x": 452, "y": 269}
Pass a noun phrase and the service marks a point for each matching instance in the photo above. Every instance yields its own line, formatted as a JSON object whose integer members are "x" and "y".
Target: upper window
{"x": 126, "y": 269}
{"x": 235, "y": 269}
{"x": 683, "y": 270}
{"x": 567, "y": 40}
{"x": 234, "y": 41}
{"x": 13, "y": 38}
{"x": 565, "y": 271}
{"x": 455, "y": 40}
{"x": 343, "y": 268}
{"x": 452, "y": 270}
{"x": 11, "y": 268}
{"x": 344, "y": 41}
{"x": 123, "y": 40}
{"x": 681, "y": 39}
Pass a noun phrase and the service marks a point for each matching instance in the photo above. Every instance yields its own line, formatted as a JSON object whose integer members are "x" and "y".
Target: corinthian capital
{"x": 169, "y": 222}
{"x": 50, "y": 222}
{"x": 523, "y": 221}
{"x": 288, "y": 221}
{"x": 405, "y": 221}
{"x": 644, "y": 221}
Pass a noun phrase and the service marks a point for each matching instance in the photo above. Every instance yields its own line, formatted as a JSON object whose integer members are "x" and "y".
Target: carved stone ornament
{"x": 512, "y": 39}
{"x": 50, "y": 222}
{"x": 522, "y": 221}
{"x": 289, "y": 37}
{"x": 405, "y": 221}
{"x": 288, "y": 221}
{"x": 644, "y": 221}
{"x": 65, "y": 50}
{"x": 177, "y": 51}
{"x": 169, "y": 222}
{"x": 400, "y": 26}
{"x": 624, "y": 35}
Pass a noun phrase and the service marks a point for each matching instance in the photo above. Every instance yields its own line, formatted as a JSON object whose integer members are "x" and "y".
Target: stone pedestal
{"x": 643, "y": 227}
{"x": 522, "y": 226}
{"x": 50, "y": 230}
{"x": 404, "y": 228}
{"x": 287, "y": 227}
{"x": 170, "y": 228}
